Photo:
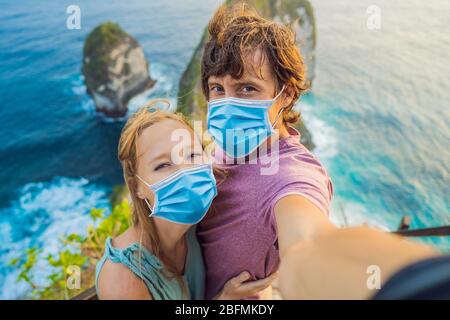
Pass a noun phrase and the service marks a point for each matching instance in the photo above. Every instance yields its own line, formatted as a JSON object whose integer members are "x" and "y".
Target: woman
{"x": 159, "y": 257}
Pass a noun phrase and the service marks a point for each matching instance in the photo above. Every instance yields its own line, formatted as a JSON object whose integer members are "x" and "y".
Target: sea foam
{"x": 43, "y": 213}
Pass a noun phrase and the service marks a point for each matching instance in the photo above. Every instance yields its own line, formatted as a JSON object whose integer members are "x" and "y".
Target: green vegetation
{"x": 83, "y": 252}
{"x": 190, "y": 91}
{"x": 97, "y": 48}
{"x": 106, "y": 36}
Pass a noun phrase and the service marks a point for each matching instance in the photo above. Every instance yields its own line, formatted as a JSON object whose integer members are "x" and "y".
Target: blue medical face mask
{"x": 240, "y": 126}
{"x": 185, "y": 196}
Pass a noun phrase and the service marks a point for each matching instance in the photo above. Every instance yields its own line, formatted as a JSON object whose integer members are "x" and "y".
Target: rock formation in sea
{"x": 114, "y": 69}
{"x": 298, "y": 13}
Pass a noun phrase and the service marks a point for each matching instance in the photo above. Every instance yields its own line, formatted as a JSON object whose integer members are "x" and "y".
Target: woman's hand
{"x": 237, "y": 288}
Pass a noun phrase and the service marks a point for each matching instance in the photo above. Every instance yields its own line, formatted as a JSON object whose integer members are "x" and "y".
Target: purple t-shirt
{"x": 239, "y": 231}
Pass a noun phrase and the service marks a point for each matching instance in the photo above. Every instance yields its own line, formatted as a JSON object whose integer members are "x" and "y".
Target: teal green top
{"x": 159, "y": 285}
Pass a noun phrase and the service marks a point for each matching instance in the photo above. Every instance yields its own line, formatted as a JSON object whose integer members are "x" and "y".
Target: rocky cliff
{"x": 114, "y": 69}
{"x": 298, "y": 13}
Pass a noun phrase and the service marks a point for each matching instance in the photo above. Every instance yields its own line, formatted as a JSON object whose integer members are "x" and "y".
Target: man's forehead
{"x": 256, "y": 67}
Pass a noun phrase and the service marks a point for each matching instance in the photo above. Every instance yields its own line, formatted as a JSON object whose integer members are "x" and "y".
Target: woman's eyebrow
{"x": 157, "y": 158}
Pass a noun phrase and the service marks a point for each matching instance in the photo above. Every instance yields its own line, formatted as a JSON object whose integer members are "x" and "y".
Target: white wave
{"x": 163, "y": 88}
{"x": 88, "y": 105}
{"x": 347, "y": 213}
{"x": 323, "y": 135}
{"x": 165, "y": 80}
{"x": 44, "y": 212}
{"x": 78, "y": 87}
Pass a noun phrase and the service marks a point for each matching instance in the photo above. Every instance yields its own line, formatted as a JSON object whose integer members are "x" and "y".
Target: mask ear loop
{"x": 145, "y": 199}
{"x": 148, "y": 205}
{"x": 278, "y": 117}
{"x": 279, "y": 93}
{"x": 281, "y": 110}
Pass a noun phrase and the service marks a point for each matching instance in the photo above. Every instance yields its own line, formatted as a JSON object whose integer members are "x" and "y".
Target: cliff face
{"x": 299, "y": 13}
{"x": 114, "y": 69}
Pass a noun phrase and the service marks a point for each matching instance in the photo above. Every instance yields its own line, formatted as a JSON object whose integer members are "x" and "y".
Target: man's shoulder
{"x": 295, "y": 156}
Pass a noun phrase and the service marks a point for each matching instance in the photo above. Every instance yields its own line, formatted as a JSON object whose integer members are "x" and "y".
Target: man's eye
{"x": 248, "y": 89}
{"x": 161, "y": 166}
{"x": 216, "y": 89}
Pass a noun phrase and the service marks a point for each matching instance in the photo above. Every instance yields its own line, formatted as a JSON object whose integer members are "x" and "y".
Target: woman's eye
{"x": 162, "y": 165}
{"x": 195, "y": 154}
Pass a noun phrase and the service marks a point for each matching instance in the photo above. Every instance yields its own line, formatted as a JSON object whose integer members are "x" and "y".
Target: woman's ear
{"x": 135, "y": 182}
{"x": 140, "y": 195}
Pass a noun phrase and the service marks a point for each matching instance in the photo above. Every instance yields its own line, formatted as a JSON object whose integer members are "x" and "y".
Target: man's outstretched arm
{"x": 321, "y": 261}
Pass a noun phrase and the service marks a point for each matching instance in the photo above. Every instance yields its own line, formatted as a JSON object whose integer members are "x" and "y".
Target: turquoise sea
{"x": 379, "y": 112}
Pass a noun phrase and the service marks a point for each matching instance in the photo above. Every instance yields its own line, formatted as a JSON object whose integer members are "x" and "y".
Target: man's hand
{"x": 239, "y": 288}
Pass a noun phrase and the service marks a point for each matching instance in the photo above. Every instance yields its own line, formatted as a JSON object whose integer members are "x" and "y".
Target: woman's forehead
{"x": 162, "y": 137}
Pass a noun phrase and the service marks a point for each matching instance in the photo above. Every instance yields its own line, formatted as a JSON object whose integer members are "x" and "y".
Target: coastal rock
{"x": 298, "y": 13}
{"x": 114, "y": 69}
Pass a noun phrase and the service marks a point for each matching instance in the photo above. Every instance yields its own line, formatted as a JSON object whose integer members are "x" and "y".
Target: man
{"x": 252, "y": 75}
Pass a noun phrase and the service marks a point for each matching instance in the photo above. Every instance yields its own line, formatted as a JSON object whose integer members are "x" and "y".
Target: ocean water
{"x": 378, "y": 112}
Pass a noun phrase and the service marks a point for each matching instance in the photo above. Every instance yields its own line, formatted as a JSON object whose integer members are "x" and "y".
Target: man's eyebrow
{"x": 213, "y": 82}
{"x": 247, "y": 80}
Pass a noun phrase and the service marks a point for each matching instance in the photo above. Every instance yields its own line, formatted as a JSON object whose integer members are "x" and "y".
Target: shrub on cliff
{"x": 81, "y": 251}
